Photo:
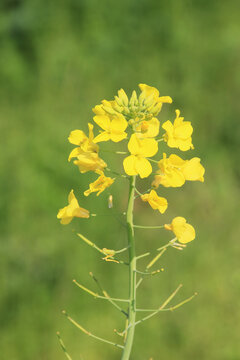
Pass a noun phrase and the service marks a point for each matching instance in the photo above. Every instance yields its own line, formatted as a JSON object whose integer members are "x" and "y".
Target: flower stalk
{"x": 132, "y": 273}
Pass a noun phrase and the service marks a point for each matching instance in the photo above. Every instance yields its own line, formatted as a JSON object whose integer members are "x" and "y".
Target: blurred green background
{"x": 58, "y": 59}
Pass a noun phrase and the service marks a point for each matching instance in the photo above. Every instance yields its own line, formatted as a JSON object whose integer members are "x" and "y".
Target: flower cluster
{"x": 134, "y": 120}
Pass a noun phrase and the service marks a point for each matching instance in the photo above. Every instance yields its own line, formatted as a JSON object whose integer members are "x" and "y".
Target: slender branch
{"x": 148, "y": 227}
{"x": 148, "y": 273}
{"x": 90, "y": 243}
{"x": 107, "y": 296}
{"x": 152, "y": 262}
{"x": 155, "y": 259}
{"x": 116, "y": 173}
{"x": 89, "y": 333}
{"x": 138, "y": 192}
{"x": 172, "y": 308}
{"x": 152, "y": 160}
{"x": 63, "y": 346}
{"x": 108, "y": 253}
{"x": 145, "y": 192}
{"x": 161, "y": 307}
{"x": 96, "y": 295}
{"x": 143, "y": 255}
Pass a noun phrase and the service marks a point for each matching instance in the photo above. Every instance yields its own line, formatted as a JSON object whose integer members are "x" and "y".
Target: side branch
{"x": 107, "y": 296}
{"x": 63, "y": 346}
{"x": 89, "y": 333}
{"x": 96, "y": 295}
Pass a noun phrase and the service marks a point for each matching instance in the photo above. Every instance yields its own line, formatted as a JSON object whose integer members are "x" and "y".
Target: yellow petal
{"x": 173, "y": 178}
{"x": 98, "y": 110}
{"x": 155, "y": 201}
{"x": 129, "y": 165}
{"x": 143, "y": 167}
{"x": 193, "y": 170}
{"x": 150, "y": 90}
{"x": 118, "y": 137}
{"x": 183, "y": 231}
{"x": 76, "y": 137}
{"x": 175, "y": 160}
{"x": 165, "y": 99}
{"x": 81, "y": 213}
{"x": 103, "y": 121}
{"x": 66, "y": 220}
{"x": 74, "y": 153}
{"x": 103, "y": 136}
{"x": 71, "y": 196}
{"x": 118, "y": 124}
{"x": 134, "y": 145}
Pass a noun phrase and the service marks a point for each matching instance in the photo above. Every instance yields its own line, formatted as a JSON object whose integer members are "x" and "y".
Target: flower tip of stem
{"x": 64, "y": 312}
{"x": 196, "y": 293}
{"x": 91, "y": 274}
{"x": 74, "y": 281}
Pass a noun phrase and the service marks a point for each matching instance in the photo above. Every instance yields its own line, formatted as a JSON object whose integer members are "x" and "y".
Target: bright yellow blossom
{"x": 114, "y": 127}
{"x": 155, "y": 201}
{"x": 184, "y": 232}
{"x": 148, "y": 129}
{"x": 137, "y": 163}
{"x": 174, "y": 171}
{"x": 86, "y": 144}
{"x": 72, "y": 210}
{"x": 89, "y": 161}
{"x": 151, "y": 97}
{"x": 99, "y": 185}
{"x": 178, "y": 135}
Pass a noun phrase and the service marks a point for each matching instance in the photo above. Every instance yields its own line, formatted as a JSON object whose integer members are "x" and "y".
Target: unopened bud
{"x": 123, "y": 96}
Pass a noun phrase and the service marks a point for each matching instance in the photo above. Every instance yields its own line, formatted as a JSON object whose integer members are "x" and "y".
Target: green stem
{"x": 132, "y": 273}
{"x": 148, "y": 227}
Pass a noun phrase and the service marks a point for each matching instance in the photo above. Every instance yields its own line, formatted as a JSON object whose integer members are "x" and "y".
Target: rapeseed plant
{"x": 134, "y": 121}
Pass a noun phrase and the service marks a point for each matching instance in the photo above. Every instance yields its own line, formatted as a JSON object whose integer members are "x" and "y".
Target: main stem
{"x": 132, "y": 273}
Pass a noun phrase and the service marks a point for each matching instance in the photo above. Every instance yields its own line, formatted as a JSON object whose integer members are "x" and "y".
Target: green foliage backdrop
{"x": 58, "y": 59}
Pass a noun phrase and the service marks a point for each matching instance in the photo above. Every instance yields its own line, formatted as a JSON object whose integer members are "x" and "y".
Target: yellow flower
{"x": 184, "y": 232}
{"x": 178, "y": 135}
{"x": 151, "y": 97}
{"x": 148, "y": 129}
{"x": 174, "y": 171}
{"x": 113, "y": 123}
{"x": 99, "y": 185}
{"x": 86, "y": 144}
{"x": 137, "y": 163}
{"x": 89, "y": 161}
{"x": 72, "y": 210}
{"x": 155, "y": 201}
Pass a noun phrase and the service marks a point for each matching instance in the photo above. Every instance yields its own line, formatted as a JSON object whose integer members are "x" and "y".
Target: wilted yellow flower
{"x": 174, "y": 171}
{"x": 72, "y": 210}
{"x": 148, "y": 129}
{"x": 86, "y": 144}
{"x": 151, "y": 98}
{"x": 137, "y": 163}
{"x": 99, "y": 185}
{"x": 178, "y": 135}
{"x": 155, "y": 201}
{"x": 184, "y": 232}
{"x": 89, "y": 161}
